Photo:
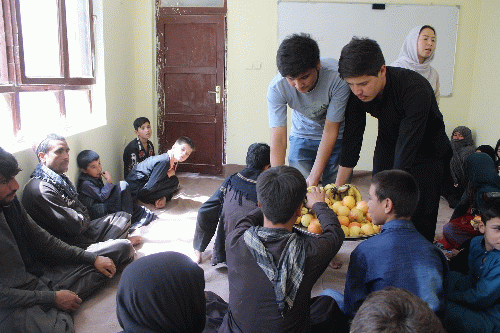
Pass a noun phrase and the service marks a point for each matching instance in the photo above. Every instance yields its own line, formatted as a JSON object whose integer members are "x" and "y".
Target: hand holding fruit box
{"x": 351, "y": 210}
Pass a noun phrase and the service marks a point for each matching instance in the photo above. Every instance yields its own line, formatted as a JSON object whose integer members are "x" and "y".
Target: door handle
{"x": 217, "y": 94}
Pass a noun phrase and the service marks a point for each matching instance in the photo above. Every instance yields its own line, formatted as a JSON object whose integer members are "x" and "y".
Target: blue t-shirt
{"x": 309, "y": 110}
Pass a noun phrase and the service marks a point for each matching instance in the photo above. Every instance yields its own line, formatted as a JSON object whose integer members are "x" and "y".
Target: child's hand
{"x": 314, "y": 195}
{"x": 107, "y": 176}
{"x": 170, "y": 172}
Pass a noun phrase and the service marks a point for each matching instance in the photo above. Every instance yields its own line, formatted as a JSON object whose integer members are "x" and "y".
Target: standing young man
{"x": 411, "y": 134}
{"x": 317, "y": 95}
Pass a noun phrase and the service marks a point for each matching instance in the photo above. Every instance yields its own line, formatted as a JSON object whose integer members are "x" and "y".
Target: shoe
{"x": 145, "y": 217}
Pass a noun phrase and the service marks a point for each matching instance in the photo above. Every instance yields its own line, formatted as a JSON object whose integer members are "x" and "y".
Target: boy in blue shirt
{"x": 105, "y": 198}
{"x": 473, "y": 300}
{"x": 399, "y": 256}
{"x": 140, "y": 148}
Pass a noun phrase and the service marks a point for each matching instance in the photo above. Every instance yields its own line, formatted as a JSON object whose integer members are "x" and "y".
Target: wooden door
{"x": 190, "y": 58}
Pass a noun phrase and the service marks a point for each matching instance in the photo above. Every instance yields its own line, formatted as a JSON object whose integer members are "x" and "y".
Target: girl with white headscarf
{"x": 417, "y": 54}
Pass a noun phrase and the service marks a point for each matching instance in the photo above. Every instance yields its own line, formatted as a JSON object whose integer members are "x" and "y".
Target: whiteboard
{"x": 333, "y": 25}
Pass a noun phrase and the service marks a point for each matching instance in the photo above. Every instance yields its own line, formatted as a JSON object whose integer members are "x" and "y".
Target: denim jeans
{"x": 302, "y": 155}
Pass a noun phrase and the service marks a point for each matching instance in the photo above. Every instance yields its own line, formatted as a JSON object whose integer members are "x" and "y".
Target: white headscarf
{"x": 408, "y": 58}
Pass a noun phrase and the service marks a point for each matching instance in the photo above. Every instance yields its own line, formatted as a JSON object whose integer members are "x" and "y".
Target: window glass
{"x": 79, "y": 47}
{"x": 39, "y": 24}
{"x": 6, "y": 120}
{"x": 77, "y": 106}
{"x": 39, "y": 112}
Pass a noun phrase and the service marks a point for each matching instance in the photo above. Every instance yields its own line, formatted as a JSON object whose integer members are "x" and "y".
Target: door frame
{"x": 166, "y": 11}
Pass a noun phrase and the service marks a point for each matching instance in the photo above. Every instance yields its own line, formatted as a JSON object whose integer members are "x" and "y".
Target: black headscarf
{"x": 487, "y": 149}
{"x": 483, "y": 178}
{"x": 162, "y": 292}
{"x": 461, "y": 150}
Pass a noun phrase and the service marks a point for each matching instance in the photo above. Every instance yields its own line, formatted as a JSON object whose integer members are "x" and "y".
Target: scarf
{"x": 61, "y": 182}
{"x": 483, "y": 178}
{"x": 243, "y": 183}
{"x": 162, "y": 292}
{"x": 461, "y": 150}
{"x": 287, "y": 275}
{"x": 408, "y": 58}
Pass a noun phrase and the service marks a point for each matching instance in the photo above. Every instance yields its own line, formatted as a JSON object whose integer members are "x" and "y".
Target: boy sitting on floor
{"x": 102, "y": 199}
{"x": 153, "y": 181}
{"x": 399, "y": 256}
{"x": 140, "y": 148}
{"x": 230, "y": 203}
{"x": 271, "y": 270}
{"x": 473, "y": 300}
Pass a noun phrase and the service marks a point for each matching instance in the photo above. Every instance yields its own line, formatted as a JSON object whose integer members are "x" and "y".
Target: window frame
{"x": 13, "y": 78}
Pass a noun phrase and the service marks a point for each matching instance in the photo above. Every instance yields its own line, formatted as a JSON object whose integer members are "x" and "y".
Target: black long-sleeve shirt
{"x": 147, "y": 175}
{"x": 410, "y": 125}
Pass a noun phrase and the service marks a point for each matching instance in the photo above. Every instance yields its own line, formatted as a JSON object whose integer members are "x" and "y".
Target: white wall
{"x": 485, "y": 98}
{"x": 252, "y": 37}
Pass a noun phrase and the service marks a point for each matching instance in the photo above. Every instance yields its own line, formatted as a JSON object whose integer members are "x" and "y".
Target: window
{"x": 47, "y": 67}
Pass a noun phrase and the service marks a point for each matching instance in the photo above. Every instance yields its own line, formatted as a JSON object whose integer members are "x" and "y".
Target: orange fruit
{"x": 363, "y": 206}
{"x": 368, "y": 217}
{"x": 315, "y": 227}
{"x": 344, "y": 220}
{"x": 343, "y": 211}
{"x": 356, "y": 215}
{"x": 349, "y": 201}
{"x": 352, "y": 224}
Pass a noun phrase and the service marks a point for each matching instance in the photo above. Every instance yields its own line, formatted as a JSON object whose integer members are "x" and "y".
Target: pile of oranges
{"x": 351, "y": 210}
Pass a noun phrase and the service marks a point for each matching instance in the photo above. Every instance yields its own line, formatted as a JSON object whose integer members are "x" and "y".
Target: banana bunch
{"x": 337, "y": 193}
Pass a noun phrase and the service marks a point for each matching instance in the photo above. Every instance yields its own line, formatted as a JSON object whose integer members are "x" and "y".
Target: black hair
{"x": 85, "y": 157}
{"x": 8, "y": 166}
{"x": 185, "y": 140}
{"x": 399, "y": 186}
{"x": 362, "y": 56}
{"x": 487, "y": 149}
{"x": 425, "y": 27}
{"x": 296, "y": 54}
{"x": 496, "y": 148}
{"x": 258, "y": 156}
{"x": 490, "y": 209}
{"x": 140, "y": 121}
{"x": 393, "y": 310}
{"x": 45, "y": 145}
{"x": 280, "y": 191}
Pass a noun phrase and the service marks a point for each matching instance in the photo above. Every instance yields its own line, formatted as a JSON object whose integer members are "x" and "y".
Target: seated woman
{"x": 462, "y": 145}
{"x": 164, "y": 292}
{"x": 483, "y": 178}
{"x": 487, "y": 149}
